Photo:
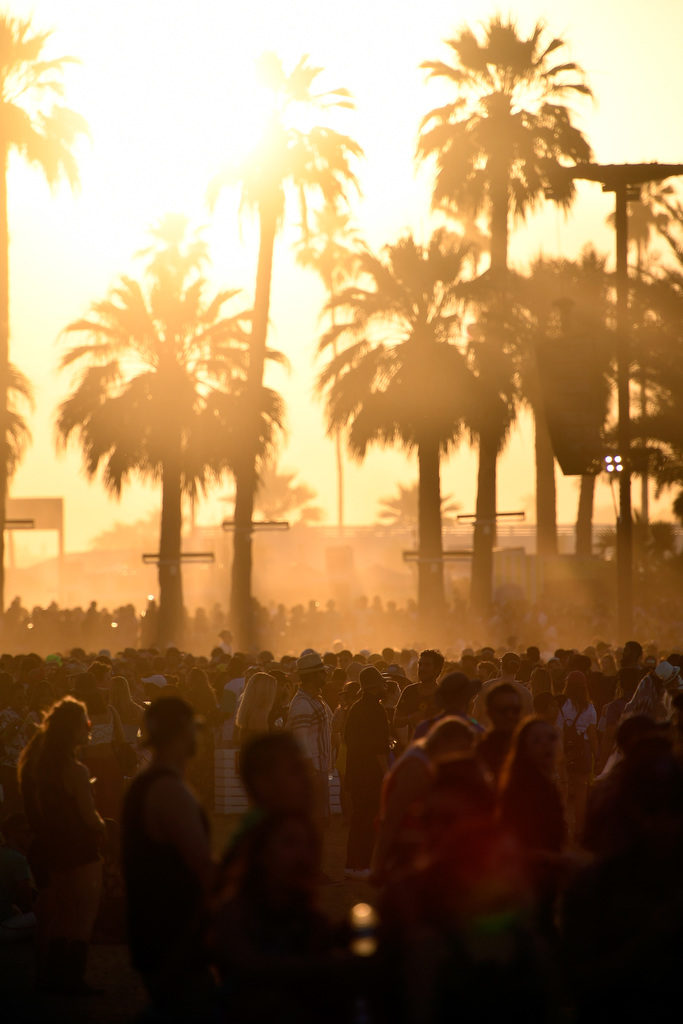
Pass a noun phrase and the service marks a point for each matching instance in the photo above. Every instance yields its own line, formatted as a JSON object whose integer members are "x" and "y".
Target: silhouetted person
{"x": 622, "y": 915}
{"x": 632, "y": 655}
{"x": 167, "y": 869}
{"x": 418, "y": 701}
{"x": 510, "y": 665}
{"x": 275, "y": 952}
{"x": 578, "y": 721}
{"x": 504, "y": 710}
{"x": 405, "y": 789}
{"x": 278, "y": 780}
{"x": 367, "y": 751}
{"x": 532, "y": 808}
{"x": 68, "y": 831}
{"x": 453, "y": 696}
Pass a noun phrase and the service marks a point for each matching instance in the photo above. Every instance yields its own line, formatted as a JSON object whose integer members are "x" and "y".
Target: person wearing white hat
{"x": 310, "y": 720}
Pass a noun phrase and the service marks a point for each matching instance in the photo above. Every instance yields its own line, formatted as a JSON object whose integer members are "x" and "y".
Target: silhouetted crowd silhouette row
{"x": 359, "y": 623}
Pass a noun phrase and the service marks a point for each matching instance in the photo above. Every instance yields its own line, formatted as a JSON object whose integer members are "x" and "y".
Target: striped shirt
{"x": 309, "y": 719}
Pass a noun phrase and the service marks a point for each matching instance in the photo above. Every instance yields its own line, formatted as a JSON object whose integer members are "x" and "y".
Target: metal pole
{"x": 625, "y": 524}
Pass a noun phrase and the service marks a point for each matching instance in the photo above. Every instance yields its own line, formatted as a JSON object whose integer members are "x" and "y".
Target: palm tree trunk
{"x": 4, "y": 362}
{"x": 338, "y": 435}
{"x": 170, "y": 629}
{"x": 481, "y": 592}
{"x": 584, "y": 519}
{"x": 499, "y": 221}
{"x": 246, "y": 477}
{"x": 430, "y": 587}
{"x": 546, "y": 496}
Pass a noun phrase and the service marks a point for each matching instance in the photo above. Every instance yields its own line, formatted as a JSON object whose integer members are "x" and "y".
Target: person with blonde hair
{"x": 255, "y": 706}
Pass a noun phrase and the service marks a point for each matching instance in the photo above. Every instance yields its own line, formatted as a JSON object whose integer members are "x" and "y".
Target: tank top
{"x": 165, "y": 906}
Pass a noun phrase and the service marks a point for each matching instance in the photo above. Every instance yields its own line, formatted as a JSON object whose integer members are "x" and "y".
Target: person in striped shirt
{"x": 310, "y": 720}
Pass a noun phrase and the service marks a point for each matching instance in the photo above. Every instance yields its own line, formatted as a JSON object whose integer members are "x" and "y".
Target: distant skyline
{"x": 167, "y": 88}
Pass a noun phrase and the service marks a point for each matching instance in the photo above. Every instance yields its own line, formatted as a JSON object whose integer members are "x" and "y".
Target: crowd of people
{"x": 515, "y": 823}
{"x": 359, "y": 621}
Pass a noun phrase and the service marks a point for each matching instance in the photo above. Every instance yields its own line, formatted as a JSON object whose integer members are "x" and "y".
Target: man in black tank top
{"x": 168, "y": 869}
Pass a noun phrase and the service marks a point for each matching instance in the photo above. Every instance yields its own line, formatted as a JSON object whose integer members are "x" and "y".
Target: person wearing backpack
{"x": 577, "y": 722}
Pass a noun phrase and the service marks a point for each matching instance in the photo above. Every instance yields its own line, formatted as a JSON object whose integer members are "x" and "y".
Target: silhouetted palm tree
{"x": 280, "y": 497}
{"x": 161, "y": 392}
{"x": 653, "y": 543}
{"x": 35, "y": 125}
{"x": 495, "y": 145}
{"x": 331, "y": 249}
{"x": 16, "y": 433}
{"x": 401, "y": 378}
{"x": 402, "y": 508}
{"x": 315, "y": 161}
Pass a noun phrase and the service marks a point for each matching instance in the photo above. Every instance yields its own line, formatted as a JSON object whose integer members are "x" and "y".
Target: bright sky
{"x": 168, "y": 90}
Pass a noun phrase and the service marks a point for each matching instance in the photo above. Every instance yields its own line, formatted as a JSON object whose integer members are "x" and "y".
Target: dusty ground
{"x": 108, "y": 967}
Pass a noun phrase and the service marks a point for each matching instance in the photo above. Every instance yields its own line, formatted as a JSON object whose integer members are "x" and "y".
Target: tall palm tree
{"x": 331, "y": 249}
{"x": 34, "y": 124}
{"x": 495, "y": 145}
{"x": 160, "y": 392}
{"x": 316, "y": 161}
{"x": 400, "y": 377}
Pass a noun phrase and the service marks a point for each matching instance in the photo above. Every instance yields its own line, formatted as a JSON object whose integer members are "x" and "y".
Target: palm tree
{"x": 161, "y": 392}
{"x": 331, "y": 249}
{"x": 281, "y": 497}
{"x": 401, "y": 509}
{"x": 34, "y": 124}
{"x": 653, "y": 543}
{"x": 495, "y": 145}
{"x": 400, "y": 377}
{"x": 315, "y": 161}
{"x": 16, "y": 433}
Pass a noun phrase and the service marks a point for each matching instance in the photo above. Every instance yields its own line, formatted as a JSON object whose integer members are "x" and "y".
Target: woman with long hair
{"x": 59, "y": 804}
{"x": 531, "y": 807}
{"x": 255, "y": 706}
{"x": 578, "y": 721}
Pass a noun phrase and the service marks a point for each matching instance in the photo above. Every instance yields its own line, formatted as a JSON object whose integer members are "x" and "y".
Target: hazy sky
{"x": 168, "y": 90}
